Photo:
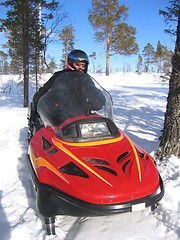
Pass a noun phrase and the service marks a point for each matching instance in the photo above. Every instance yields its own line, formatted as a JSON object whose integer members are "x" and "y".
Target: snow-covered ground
{"x": 139, "y": 106}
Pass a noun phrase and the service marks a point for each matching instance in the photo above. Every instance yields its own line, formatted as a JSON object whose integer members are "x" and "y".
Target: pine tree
{"x": 159, "y": 56}
{"x": 51, "y": 66}
{"x": 148, "y": 53}
{"x": 108, "y": 18}
{"x": 170, "y": 142}
{"x": 162, "y": 55}
{"x": 93, "y": 57}
{"x": 139, "y": 64}
{"x": 67, "y": 38}
{"x": 4, "y": 66}
{"x": 167, "y": 65}
{"x": 24, "y": 39}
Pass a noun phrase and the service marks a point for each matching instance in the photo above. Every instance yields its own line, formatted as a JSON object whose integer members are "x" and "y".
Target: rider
{"x": 77, "y": 62}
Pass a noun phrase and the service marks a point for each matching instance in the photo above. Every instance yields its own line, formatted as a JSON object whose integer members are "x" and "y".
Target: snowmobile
{"x": 84, "y": 165}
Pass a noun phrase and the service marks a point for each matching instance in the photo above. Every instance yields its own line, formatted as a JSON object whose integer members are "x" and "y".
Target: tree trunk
{"x": 170, "y": 142}
{"x": 25, "y": 43}
{"x": 26, "y": 72}
{"x": 107, "y": 55}
{"x": 26, "y": 84}
{"x": 66, "y": 54}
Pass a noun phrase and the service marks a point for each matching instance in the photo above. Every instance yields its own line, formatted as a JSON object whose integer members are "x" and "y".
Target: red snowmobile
{"x": 84, "y": 165}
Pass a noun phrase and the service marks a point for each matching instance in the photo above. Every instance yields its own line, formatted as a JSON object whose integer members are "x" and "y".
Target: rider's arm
{"x": 94, "y": 97}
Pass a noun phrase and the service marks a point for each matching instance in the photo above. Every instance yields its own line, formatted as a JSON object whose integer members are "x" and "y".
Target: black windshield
{"x": 73, "y": 94}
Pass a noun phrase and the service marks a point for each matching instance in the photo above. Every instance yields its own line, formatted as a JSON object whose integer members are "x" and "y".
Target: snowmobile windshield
{"x": 73, "y": 94}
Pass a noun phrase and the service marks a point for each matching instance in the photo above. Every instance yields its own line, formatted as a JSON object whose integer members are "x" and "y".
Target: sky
{"x": 139, "y": 105}
{"x": 143, "y": 15}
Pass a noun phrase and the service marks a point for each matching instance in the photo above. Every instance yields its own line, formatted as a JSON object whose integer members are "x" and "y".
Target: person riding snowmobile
{"x": 77, "y": 93}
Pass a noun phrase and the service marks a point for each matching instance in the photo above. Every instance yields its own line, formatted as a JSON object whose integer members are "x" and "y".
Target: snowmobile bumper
{"x": 51, "y": 202}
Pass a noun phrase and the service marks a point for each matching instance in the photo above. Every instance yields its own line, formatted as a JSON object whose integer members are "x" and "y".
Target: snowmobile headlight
{"x": 90, "y": 130}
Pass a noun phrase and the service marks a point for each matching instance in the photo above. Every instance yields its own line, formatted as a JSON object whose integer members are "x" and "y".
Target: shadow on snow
{"x": 5, "y": 228}
{"x": 25, "y": 176}
{"x": 141, "y": 121}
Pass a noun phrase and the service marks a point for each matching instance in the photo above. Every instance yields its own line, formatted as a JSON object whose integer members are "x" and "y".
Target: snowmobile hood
{"x": 102, "y": 169}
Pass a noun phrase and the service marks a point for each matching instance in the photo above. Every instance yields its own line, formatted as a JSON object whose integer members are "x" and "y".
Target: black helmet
{"x": 76, "y": 56}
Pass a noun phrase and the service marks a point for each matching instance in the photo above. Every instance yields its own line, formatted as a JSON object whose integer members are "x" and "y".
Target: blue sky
{"x": 143, "y": 15}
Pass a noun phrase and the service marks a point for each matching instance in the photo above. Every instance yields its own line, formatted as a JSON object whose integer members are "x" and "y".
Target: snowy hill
{"x": 139, "y": 106}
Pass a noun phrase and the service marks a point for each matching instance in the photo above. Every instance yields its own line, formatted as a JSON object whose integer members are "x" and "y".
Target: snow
{"x": 139, "y": 106}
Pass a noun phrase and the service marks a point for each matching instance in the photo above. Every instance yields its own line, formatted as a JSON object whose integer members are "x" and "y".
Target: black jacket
{"x": 44, "y": 89}
{"x": 72, "y": 93}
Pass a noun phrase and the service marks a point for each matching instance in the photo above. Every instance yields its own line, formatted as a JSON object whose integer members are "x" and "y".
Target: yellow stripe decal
{"x": 60, "y": 145}
{"x": 136, "y": 158}
{"x": 40, "y": 162}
